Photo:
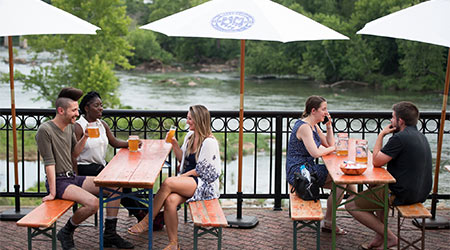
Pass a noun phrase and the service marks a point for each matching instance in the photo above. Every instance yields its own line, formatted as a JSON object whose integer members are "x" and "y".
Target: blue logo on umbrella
{"x": 232, "y": 21}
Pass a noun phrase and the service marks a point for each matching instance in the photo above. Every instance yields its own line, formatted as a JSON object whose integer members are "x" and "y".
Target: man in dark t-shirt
{"x": 408, "y": 157}
{"x": 57, "y": 145}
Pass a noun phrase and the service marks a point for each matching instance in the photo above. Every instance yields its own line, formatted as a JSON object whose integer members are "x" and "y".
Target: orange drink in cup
{"x": 170, "y": 134}
{"x": 133, "y": 143}
{"x": 93, "y": 130}
{"x": 342, "y": 144}
{"x": 361, "y": 151}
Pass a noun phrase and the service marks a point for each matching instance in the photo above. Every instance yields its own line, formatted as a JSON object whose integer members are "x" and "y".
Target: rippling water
{"x": 220, "y": 91}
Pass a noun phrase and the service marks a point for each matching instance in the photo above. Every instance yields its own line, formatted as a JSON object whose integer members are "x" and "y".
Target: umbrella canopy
{"x": 32, "y": 17}
{"x": 427, "y": 22}
{"x": 243, "y": 20}
{"x": 35, "y": 17}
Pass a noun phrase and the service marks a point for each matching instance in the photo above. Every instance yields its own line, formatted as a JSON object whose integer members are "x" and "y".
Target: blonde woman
{"x": 199, "y": 179}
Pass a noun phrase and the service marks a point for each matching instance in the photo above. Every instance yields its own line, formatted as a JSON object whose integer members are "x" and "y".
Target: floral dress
{"x": 208, "y": 167}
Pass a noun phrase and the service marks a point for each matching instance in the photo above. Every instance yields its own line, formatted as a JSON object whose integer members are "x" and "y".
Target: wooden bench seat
{"x": 208, "y": 217}
{"x": 414, "y": 211}
{"x": 43, "y": 218}
{"x": 307, "y": 214}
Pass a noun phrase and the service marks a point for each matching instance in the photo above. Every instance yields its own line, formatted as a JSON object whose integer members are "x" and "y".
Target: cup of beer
{"x": 170, "y": 134}
{"x": 93, "y": 130}
{"x": 342, "y": 144}
{"x": 133, "y": 143}
{"x": 361, "y": 151}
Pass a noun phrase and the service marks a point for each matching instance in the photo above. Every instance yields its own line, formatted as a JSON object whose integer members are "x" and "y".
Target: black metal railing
{"x": 266, "y": 136}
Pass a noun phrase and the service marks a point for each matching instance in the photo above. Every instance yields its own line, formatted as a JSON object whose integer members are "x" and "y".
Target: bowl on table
{"x": 351, "y": 168}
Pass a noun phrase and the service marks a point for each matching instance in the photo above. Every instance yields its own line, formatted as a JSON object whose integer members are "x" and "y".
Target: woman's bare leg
{"x": 182, "y": 185}
{"x": 171, "y": 216}
{"x": 339, "y": 197}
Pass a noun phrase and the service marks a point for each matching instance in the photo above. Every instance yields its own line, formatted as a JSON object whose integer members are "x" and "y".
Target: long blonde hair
{"x": 202, "y": 121}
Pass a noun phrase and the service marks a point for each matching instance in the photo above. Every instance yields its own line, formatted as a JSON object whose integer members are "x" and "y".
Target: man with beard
{"x": 57, "y": 144}
{"x": 408, "y": 157}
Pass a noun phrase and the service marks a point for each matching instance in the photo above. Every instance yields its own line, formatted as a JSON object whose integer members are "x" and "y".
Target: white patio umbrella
{"x": 32, "y": 17}
{"x": 243, "y": 20}
{"x": 427, "y": 22}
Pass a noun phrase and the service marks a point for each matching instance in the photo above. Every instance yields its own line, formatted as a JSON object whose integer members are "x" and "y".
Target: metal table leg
{"x": 333, "y": 215}
{"x": 101, "y": 217}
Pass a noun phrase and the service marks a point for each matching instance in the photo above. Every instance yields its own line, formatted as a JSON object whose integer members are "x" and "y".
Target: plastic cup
{"x": 133, "y": 143}
{"x": 342, "y": 144}
{"x": 170, "y": 134}
{"x": 93, "y": 130}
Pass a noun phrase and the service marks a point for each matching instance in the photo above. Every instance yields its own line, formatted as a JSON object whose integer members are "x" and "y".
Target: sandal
{"x": 140, "y": 227}
{"x": 326, "y": 228}
{"x": 172, "y": 245}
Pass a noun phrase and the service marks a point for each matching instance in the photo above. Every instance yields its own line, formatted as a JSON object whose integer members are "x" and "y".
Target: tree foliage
{"x": 88, "y": 61}
{"x": 85, "y": 61}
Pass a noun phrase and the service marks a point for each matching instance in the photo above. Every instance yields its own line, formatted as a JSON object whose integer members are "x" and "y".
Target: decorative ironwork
{"x": 266, "y": 136}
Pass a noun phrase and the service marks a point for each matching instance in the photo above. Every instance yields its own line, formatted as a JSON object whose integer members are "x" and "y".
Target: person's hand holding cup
{"x": 170, "y": 135}
{"x": 93, "y": 130}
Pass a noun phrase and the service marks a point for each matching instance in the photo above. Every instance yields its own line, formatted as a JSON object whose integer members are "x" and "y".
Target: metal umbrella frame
{"x": 427, "y": 22}
{"x": 243, "y": 20}
{"x": 37, "y": 18}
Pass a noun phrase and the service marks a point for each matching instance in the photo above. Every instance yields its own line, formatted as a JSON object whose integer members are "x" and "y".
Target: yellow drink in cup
{"x": 342, "y": 152}
{"x": 361, "y": 159}
{"x": 342, "y": 144}
{"x": 133, "y": 143}
{"x": 93, "y": 130}
{"x": 170, "y": 134}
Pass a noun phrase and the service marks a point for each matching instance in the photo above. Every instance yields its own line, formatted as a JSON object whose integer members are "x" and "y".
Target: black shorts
{"x": 63, "y": 182}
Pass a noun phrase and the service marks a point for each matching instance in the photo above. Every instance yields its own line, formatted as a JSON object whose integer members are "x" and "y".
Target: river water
{"x": 220, "y": 91}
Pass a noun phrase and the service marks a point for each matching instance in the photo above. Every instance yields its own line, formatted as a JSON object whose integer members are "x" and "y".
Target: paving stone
{"x": 274, "y": 231}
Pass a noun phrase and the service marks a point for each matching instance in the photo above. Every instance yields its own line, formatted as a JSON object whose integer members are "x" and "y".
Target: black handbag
{"x": 305, "y": 189}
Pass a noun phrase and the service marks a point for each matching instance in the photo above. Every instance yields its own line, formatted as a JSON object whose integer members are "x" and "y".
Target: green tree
{"x": 146, "y": 48}
{"x": 85, "y": 61}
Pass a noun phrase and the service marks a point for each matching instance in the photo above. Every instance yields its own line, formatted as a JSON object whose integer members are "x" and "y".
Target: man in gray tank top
{"x": 57, "y": 144}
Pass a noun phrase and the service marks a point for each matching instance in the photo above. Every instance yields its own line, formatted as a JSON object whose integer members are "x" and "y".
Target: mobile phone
{"x": 325, "y": 120}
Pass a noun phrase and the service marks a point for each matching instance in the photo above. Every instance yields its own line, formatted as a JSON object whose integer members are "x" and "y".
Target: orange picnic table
{"x": 373, "y": 178}
{"x": 133, "y": 170}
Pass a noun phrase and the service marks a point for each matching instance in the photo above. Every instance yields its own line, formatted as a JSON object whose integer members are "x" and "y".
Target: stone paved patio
{"x": 273, "y": 232}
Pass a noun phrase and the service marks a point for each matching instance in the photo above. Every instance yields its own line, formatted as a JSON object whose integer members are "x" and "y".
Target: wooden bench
{"x": 413, "y": 211}
{"x": 307, "y": 214}
{"x": 43, "y": 219}
{"x": 208, "y": 218}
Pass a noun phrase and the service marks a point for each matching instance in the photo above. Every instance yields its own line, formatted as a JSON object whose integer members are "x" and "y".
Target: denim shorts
{"x": 63, "y": 182}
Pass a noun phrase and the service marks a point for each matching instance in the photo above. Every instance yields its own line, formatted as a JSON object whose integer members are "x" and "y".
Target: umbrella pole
{"x": 13, "y": 214}
{"x": 437, "y": 222}
{"x": 241, "y": 221}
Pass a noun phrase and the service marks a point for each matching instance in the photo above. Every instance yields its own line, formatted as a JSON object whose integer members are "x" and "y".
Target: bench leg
{"x": 423, "y": 233}
{"x": 315, "y": 225}
{"x": 398, "y": 231}
{"x": 54, "y": 236}
{"x": 317, "y": 234}
{"x": 29, "y": 238}
{"x": 294, "y": 236}
{"x": 219, "y": 240}
{"x": 185, "y": 212}
{"x": 195, "y": 237}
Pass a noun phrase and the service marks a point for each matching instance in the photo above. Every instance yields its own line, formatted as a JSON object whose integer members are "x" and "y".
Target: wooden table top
{"x": 371, "y": 176}
{"x": 135, "y": 169}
